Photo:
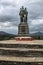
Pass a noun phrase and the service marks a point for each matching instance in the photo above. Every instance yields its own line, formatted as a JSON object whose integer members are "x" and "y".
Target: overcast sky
{"x": 9, "y": 15}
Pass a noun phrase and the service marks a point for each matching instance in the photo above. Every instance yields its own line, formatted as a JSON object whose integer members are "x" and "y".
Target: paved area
{"x": 22, "y": 42}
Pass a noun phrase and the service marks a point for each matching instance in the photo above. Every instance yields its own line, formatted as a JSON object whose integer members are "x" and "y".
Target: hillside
{"x": 6, "y": 36}
{"x": 37, "y": 34}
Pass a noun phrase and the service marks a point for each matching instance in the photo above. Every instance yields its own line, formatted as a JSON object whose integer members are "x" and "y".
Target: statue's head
{"x": 22, "y": 7}
{"x": 25, "y": 8}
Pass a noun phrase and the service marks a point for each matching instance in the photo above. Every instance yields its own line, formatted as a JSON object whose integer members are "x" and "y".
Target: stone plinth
{"x": 24, "y": 38}
{"x": 23, "y": 29}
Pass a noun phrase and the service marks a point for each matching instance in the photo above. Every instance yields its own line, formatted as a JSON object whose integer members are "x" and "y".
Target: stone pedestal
{"x": 23, "y": 29}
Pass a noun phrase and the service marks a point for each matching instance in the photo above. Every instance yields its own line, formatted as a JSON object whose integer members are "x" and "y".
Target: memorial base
{"x": 24, "y": 38}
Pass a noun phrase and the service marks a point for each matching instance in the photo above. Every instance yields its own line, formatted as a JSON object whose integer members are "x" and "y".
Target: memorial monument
{"x": 23, "y": 29}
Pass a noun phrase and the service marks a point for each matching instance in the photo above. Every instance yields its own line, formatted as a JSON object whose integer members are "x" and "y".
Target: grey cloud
{"x": 36, "y": 28}
{"x": 36, "y": 10}
{"x": 10, "y": 12}
{"x": 7, "y": 3}
{"x": 8, "y": 18}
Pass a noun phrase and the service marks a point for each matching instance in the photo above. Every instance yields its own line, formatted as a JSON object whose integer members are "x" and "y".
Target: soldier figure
{"x": 23, "y": 14}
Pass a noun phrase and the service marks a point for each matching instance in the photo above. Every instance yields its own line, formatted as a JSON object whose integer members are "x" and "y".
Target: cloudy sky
{"x": 9, "y": 15}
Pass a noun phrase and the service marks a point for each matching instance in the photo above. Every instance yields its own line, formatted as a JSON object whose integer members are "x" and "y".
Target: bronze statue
{"x": 23, "y": 14}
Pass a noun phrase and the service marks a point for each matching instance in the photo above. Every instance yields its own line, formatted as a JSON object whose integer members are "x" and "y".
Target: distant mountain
{"x": 3, "y": 33}
{"x": 37, "y": 34}
{"x": 6, "y": 36}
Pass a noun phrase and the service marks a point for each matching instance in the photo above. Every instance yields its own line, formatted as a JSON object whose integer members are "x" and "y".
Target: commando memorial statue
{"x": 23, "y": 29}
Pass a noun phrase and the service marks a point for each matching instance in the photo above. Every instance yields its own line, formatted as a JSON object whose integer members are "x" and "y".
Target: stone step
{"x": 22, "y": 49}
{"x": 21, "y": 52}
{"x": 21, "y": 59}
{"x": 21, "y": 46}
{"x": 19, "y": 63}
